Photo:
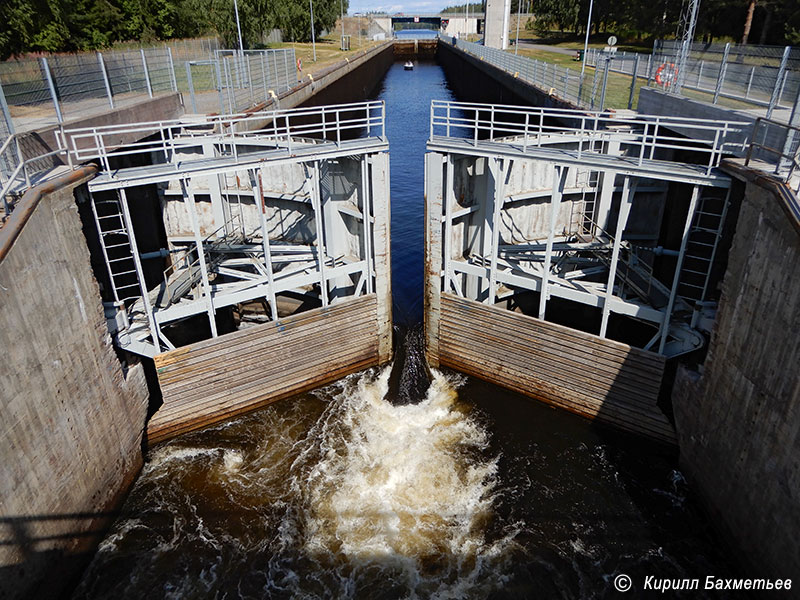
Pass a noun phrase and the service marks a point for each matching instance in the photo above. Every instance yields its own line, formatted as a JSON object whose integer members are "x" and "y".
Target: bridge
{"x": 455, "y": 24}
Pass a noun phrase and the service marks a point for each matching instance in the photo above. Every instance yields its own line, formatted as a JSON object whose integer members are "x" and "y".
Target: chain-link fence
{"x": 598, "y": 88}
{"x": 727, "y": 74}
{"x": 40, "y": 92}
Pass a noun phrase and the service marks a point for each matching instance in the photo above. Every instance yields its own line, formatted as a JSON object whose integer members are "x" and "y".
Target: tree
{"x": 748, "y": 20}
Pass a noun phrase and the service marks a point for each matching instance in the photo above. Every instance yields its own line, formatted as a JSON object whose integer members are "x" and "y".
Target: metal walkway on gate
{"x": 596, "y": 164}
{"x": 242, "y": 259}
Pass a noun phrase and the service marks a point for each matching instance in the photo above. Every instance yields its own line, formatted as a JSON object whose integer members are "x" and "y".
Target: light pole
{"x": 313, "y": 35}
{"x": 586, "y": 41}
{"x": 516, "y": 42}
{"x": 341, "y": 16}
{"x": 585, "y": 48}
{"x": 238, "y": 26}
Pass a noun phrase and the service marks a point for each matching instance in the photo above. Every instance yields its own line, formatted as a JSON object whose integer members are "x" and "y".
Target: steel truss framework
{"x": 238, "y": 255}
{"x": 596, "y": 169}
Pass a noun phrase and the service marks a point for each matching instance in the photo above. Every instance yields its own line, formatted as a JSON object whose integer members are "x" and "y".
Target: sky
{"x": 409, "y": 6}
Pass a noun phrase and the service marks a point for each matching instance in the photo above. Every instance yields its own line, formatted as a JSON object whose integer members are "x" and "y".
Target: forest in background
{"x": 769, "y": 21}
{"x": 70, "y": 25}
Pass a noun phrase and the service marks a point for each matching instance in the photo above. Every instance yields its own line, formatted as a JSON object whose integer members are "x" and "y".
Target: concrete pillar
{"x": 434, "y": 197}
{"x": 496, "y": 23}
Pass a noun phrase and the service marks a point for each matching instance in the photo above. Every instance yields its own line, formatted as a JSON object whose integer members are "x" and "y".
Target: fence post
{"x": 700, "y": 73}
{"x": 219, "y": 84}
{"x": 49, "y": 76}
{"x": 146, "y": 75}
{"x": 6, "y": 112}
{"x": 721, "y": 76}
{"x": 785, "y": 161}
{"x": 605, "y": 83}
{"x": 749, "y": 83}
{"x": 776, "y": 91}
{"x": 633, "y": 80}
{"x": 172, "y": 70}
{"x": 264, "y": 75}
{"x": 102, "y": 64}
{"x": 191, "y": 86}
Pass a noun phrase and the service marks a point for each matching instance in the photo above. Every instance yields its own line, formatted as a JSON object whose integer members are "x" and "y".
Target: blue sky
{"x": 408, "y": 6}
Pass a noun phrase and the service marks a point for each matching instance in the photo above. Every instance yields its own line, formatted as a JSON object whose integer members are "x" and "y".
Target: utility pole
{"x": 238, "y": 27}
{"x": 585, "y": 48}
{"x": 313, "y": 35}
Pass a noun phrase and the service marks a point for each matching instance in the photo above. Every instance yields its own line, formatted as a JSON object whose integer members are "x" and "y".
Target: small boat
{"x": 409, "y": 66}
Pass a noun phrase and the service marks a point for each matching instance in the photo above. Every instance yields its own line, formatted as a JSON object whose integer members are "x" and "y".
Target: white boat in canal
{"x": 409, "y": 66}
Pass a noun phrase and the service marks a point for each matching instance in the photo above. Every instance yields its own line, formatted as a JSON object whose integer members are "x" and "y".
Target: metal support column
{"x": 188, "y": 198}
{"x": 501, "y": 171}
{"x": 255, "y": 176}
{"x": 449, "y": 194}
{"x": 559, "y": 181}
{"x": 137, "y": 261}
{"x": 676, "y": 278}
{"x": 367, "y": 212}
{"x": 622, "y": 220}
{"x": 320, "y": 232}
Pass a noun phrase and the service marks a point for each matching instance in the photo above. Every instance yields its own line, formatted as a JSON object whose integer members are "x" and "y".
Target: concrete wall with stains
{"x": 73, "y": 415}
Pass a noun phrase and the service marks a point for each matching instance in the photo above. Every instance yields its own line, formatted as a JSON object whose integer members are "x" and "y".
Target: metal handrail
{"x": 89, "y": 143}
{"x": 787, "y": 161}
{"x": 648, "y": 133}
{"x": 21, "y": 166}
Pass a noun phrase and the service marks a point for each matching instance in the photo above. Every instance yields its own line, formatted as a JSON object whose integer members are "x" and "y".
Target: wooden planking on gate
{"x": 601, "y": 379}
{"x": 218, "y": 378}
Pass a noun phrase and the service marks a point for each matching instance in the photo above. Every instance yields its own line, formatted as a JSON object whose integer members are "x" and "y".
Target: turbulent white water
{"x": 362, "y": 500}
{"x": 405, "y": 489}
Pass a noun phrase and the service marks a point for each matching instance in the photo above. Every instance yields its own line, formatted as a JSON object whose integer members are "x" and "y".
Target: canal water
{"x": 474, "y": 492}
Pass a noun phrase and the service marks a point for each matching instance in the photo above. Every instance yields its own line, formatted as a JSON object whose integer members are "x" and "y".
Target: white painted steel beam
{"x": 559, "y": 180}
{"x": 320, "y": 232}
{"x": 255, "y": 176}
{"x": 676, "y": 278}
{"x": 622, "y": 220}
{"x": 137, "y": 261}
{"x": 201, "y": 256}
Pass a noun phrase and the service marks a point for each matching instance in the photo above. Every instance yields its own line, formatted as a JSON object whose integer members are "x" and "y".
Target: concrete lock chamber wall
{"x": 234, "y": 251}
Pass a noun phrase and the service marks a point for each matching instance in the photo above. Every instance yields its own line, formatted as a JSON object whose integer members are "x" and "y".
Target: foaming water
{"x": 406, "y": 489}
{"x": 368, "y": 500}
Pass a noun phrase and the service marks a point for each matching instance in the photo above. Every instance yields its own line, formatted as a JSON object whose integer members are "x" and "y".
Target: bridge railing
{"x": 284, "y": 128}
{"x": 645, "y": 137}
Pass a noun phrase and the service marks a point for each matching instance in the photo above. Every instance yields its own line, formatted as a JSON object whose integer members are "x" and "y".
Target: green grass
{"x": 570, "y": 41}
{"x": 619, "y": 85}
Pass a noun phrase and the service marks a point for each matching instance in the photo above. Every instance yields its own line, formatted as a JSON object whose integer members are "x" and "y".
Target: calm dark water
{"x": 474, "y": 492}
{"x": 408, "y": 96}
